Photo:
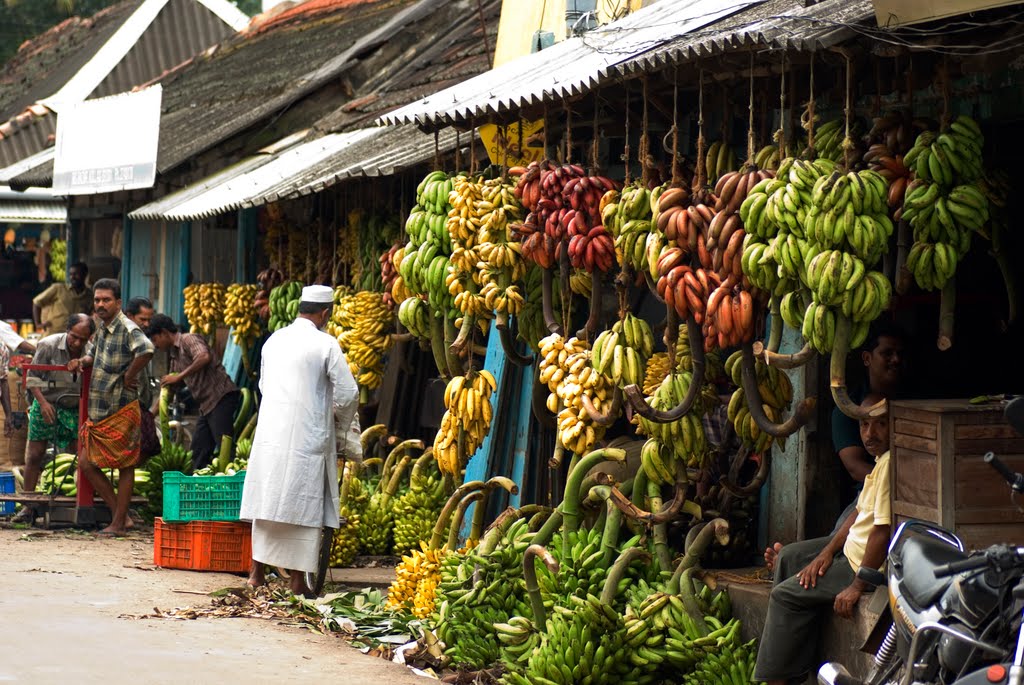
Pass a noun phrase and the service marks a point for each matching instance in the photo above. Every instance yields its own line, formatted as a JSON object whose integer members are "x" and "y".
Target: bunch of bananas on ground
{"x": 416, "y": 579}
{"x": 829, "y": 137}
{"x": 416, "y": 510}
{"x": 728, "y": 665}
{"x": 361, "y": 323}
{"x": 683, "y": 439}
{"x": 376, "y": 524}
{"x": 172, "y": 457}
{"x": 240, "y": 314}
{"x": 566, "y": 368}
{"x": 627, "y": 216}
{"x": 775, "y": 391}
{"x": 466, "y": 421}
{"x": 345, "y": 544}
{"x": 284, "y": 304}
{"x": 58, "y": 259}
{"x": 719, "y": 160}
{"x": 204, "y": 306}
{"x": 944, "y": 203}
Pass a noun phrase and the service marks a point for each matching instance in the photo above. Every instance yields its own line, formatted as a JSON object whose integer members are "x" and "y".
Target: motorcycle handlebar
{"x": 955, "y": 567}
{"x": 1016, "y": 480}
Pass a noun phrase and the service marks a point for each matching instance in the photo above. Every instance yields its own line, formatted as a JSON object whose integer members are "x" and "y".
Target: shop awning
{"x": 36, "y": 206}
{"x": 574, "y": 66}
{"x": 778, "y": 24}
{"x": 299, "y": 170}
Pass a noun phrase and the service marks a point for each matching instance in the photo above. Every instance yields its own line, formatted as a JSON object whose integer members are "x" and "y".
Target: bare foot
{"x": 111, "y": 531}
{"x": 771, "y": 554}
{"x": 299, "y": 587}
{"x": 256, "y": 576}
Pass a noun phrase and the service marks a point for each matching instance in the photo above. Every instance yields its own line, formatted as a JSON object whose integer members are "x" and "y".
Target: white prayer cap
{"x": 321, "y": 294}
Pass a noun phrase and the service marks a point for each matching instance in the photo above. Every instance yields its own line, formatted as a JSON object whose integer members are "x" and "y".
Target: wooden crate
{"x": 938, "y": 474}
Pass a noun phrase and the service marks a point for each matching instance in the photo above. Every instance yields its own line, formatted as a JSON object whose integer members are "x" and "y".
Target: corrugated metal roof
{"x": 568, "y": 68}
{"x": 778, "y": 24}
{"x": 33, "y": 212}
{"x": 299, "y": 170}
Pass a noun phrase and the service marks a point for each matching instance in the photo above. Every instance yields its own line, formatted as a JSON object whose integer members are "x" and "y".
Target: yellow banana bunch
{"x": 463, "y": 278}
{"x": 361, "y": 324}
{"x": 204, "y": 306}
{"x": 622, "y": 351}
{"x": 466, "y": 422}
{"x": 580, "y": 282}
{"x": 58, "y": 259}
{"x": 240, "y": 314}
{"x": 345, "y": 544}
{"x": 416, "y": 579}
{"x": 776, "y": 393}
{"x": 565, "y": 367}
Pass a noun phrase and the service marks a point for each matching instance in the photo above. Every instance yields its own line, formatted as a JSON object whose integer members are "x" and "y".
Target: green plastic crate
{"x": 202, "y": 498}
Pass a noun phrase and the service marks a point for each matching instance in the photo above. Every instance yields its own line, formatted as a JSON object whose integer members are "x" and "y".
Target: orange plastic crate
{"x": 203, "y": 545}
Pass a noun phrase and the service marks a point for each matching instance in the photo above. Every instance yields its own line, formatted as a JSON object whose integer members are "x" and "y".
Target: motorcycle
{"x": 956, "y": 618}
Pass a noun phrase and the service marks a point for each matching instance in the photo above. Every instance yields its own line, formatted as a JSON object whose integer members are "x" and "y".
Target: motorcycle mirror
{"x": 872, "y": 577}
{"x": 1014, "y": 414}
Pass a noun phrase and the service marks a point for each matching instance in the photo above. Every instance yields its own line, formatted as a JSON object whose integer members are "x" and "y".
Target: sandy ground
{"x": 67, "y": 611}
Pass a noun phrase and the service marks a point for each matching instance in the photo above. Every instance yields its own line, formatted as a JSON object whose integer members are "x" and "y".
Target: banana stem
{"x": 165, "y": 426}
{"x": 421, "y": 463}
{"x": 480, "y": 511}
{"x": 783, "y": 361}
{"x": 458, "y": 346}
{"x": 612, "y": 522}
{"x": 452, "y": 360}
{"x": 437, "y": 347}
{"x": 396, "y": 478}
{"x": 530, "y": 574}
{"x": 800, "y": 417}
{"x": 375, "y": 432}
{"x": 375, "y": 461}
{"x": 837, "y": 370}
{"x": 508, "y": 344}
{"x": 775, "y": 330}
{"x": 385, "y": 473}
{"x": 660, "y": 536}
{"x": 633, "y": 509}
{"x": 902, "y": 274}
{"x": 504, "y": 521}
{"x": 697, "y": 542}
{"x": 538, "y": 403}
{"x": 547, "y": 295}
{"x": 618, "y": 571}
{"x": 636, "y": 396}
{"x": 614, "y": 409}
{"x": 571, "y": 498}
{"x": 1006, "y": 267}
{"x": 550, "y": 527}
{"x": 690, "y": 601}
{"x": 947, "y": 314}
{"x": 449, "y": 507}
{"x": 594, "y": 319}
{"x": 250, "y": 427}
{"x": 460, "y": 516}
{"x": 556, "y": 457}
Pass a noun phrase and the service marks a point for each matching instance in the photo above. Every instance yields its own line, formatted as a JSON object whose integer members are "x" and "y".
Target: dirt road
{"x": 62, "y": 611}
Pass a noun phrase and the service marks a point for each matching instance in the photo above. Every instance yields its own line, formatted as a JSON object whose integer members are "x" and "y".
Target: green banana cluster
{"x": 416, "y": 510}
{"x": 58, "y": 476}
{"x": 944, "y": 203}
{"x": 718, "y": 161}
{"x": 621, "y": 352}
{"x": 424, "y": 265}
{"x": 580, "y": 574}
{"x": 284, "y": 304}
{"x": 828, "y": 139}
{"x": 628, "y": 216}
{"x": 530, "y": 319}
{"x": 376, "y": 234}
{"x": 172, "y": 457}
{"x": 345, "y": 544}
{"x": 683, "y": 439}
{"x": 727, "y": 665}
{"x": 58, "y": 259}
{"x": 850, "y": 212}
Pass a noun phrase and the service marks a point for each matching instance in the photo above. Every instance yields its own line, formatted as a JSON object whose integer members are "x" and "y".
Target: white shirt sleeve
{"x": 9, "y": 337}
{"x": 346, "y": 396}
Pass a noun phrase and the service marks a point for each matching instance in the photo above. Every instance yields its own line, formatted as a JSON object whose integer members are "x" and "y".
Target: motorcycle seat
{"x": 920, "y": 555}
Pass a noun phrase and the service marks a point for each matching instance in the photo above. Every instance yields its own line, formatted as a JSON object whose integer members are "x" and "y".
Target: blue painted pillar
{"x": 126, "y": 257}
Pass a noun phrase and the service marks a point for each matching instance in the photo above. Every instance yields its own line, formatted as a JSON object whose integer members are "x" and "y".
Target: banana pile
{"x": 776, "y": 392}
{"x": 682, "y": 440}
{"x": 944, "y": 203}
{"x": 345, "y": 544}
{"x": 58, "y": 259}
{"x": 466, "y": 421}
{"x": 58, "y": 476}
{"x": 628, "y": 216}
{"x": 416, "y": 510}
{"x": 361, "y": 324}
{"x": 729, "y": 664}
{"x": 621, "y": 352}
{"x": 376, "y": 523}
{"x": 566, "y": 368}
{"x": 416, "y": 579}
{"x": 719, "y": 160}
{"x": 284, "y": 304}
{"x": 240, "y": 314}
{"x": 204, "y": 306}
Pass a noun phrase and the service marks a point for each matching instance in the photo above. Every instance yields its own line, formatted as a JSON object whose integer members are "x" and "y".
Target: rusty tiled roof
{"x": 44, "y": 63}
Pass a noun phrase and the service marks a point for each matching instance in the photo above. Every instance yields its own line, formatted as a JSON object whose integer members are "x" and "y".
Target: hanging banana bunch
{"x": 565, "y": 367}
{"x": 502, "y": 265}
{"x": 776, "y": 393}
{"x": 204, "y": 307}
{"x": 466, "y": 421}
{"x": 622, "y": 351}
{"x": 240, "y": 314}
{"x": 361, "y": 324}
{"x": 58, "y": 259}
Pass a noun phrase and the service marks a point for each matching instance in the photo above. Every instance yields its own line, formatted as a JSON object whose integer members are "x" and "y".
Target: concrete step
{"x": 370, "y": 572}
{"x": 841, "y": 639}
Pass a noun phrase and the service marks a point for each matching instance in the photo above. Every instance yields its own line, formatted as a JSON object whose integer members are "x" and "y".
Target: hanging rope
{"x": 594, "y": 133}
{"x": 675, "y": 129}
{"x": 751, "y": 142}
{"x": 780, "y": 134}
{"x": 458, "y": 151}
{"x": 807, "y": 120}
{"x": 472, "y": 147}
{"x": 437, "y": 150}
{"x": 568, "y": 132}
{"x": 625, "y": 148}
{"x": 645, "y": 140}
{"x": 946, "y": 90}
{"x": 701, "y": 173}
{"x": 848, "y": 144}
{"x": 504, "y": 151}
{"x": 522, "y": 153}
{"x": 545, "y": 130}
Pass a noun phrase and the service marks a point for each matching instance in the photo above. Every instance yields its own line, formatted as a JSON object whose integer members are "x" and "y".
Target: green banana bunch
{"x": 414, "y": 314}
{"x": 621, "y": 352}
{"x": 828, "y": 139}
{"x": 345, "y": 544}
{"x": 682, "y": 439}
{"x": 850, "y": 212}
{"x": 582, "y": 574}
{"x": 425, "y": 262}
{"x": 950, "y": 158}
{"x": 530, "y": 319}
{"x": 58, "y": 259}
{"x": 629, "y": 216}
{"x": 819, "y": 328}
{"x": 284, "y": 304}
{"x": 58, "y": 476}
{"x": 775, "y": 390}
{"x": 768, "y": 157}
{"x": 729, "y": 664}
{"x": 719, "y": 160}
{"x": 416, "y": 510}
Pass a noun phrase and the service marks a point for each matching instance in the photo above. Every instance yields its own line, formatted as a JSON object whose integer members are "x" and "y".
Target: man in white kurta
{"x": 291, "y": 484}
